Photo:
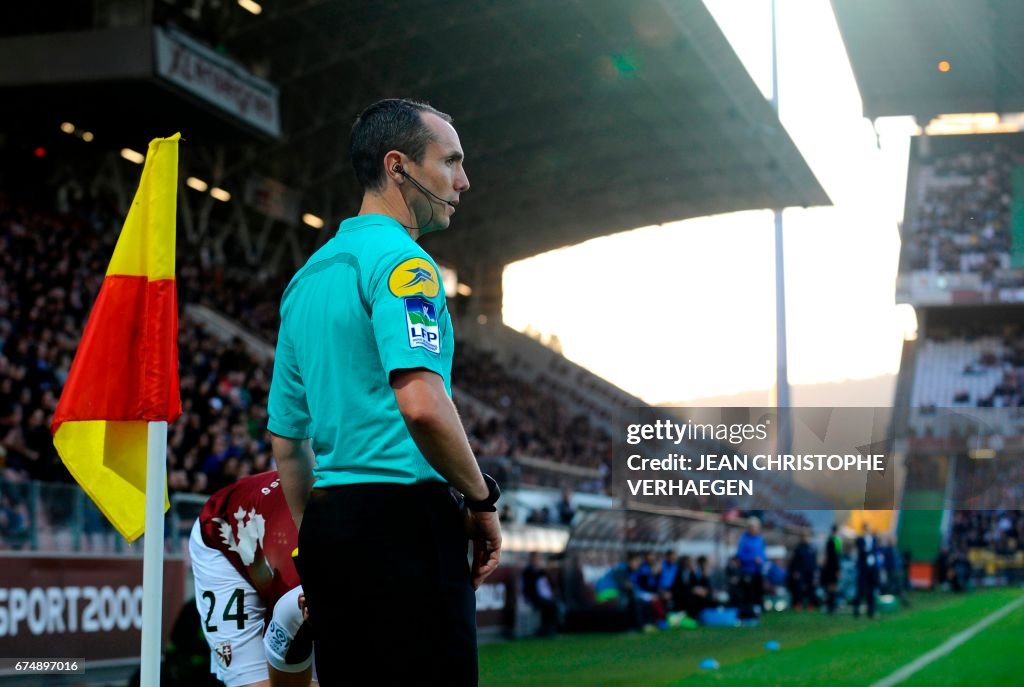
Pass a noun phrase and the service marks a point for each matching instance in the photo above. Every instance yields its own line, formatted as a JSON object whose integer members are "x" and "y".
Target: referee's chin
{"x": 439, "y": 224}
{"x": 445, "y": 217}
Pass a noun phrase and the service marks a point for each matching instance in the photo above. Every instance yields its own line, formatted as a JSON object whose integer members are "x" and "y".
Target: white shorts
{"x": 232, "y": 616}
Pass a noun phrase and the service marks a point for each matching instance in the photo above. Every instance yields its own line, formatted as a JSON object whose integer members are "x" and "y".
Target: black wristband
{"x": 487, "y": 505}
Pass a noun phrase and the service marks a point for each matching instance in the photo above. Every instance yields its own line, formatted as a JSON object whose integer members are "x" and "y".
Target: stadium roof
{"x": 895, "y": 49}
{"x": 578, "y": 118}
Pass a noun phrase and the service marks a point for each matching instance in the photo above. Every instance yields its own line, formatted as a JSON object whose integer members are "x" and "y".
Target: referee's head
{"x": 407, "y": 158}
{"x": 392, "y": 124}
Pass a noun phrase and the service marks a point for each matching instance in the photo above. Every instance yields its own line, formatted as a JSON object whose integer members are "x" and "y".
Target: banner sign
{"x": 86, "y": 607}
{"x": 216, "y": 80}
{"x": 273, "y": 199}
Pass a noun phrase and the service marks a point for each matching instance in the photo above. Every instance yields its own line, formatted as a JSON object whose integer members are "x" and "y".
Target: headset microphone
{"x": 397, "y": 169}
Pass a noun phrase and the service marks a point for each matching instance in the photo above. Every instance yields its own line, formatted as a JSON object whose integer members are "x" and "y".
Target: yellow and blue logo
{"x": 414, "y": 277}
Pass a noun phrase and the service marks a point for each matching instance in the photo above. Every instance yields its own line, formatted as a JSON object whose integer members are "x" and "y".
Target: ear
{"x": 393, "y": 162}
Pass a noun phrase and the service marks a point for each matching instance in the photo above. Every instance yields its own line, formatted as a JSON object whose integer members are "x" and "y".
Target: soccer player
{"x": 245, "y": 580}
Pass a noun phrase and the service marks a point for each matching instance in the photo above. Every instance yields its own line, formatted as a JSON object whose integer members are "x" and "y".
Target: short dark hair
{"x": 392, "y": 124}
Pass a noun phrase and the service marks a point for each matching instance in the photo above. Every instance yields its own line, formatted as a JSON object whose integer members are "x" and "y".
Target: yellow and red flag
{"x": 125, "y": 373}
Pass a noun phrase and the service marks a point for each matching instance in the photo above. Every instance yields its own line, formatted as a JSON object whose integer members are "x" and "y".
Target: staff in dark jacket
{"x": 830, "y": 571}
{"x": 868, "y": 562}
{"x": 803, "y": 568}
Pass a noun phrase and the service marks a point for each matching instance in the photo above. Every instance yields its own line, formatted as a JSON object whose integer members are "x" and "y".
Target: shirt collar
{"x": 369, "y": 220}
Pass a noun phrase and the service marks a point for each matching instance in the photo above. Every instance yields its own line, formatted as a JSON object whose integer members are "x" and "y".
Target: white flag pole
{"x": 153, "y": 555}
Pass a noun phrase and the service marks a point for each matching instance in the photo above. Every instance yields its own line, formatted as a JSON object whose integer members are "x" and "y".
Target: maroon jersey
{"x": 249, "y": 522}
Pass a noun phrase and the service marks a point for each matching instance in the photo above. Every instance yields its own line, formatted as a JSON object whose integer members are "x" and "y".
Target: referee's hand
{"x": 485, "y": 533}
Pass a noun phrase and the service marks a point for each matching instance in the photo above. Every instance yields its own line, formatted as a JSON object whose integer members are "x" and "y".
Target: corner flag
{"x": 125, "y": 373}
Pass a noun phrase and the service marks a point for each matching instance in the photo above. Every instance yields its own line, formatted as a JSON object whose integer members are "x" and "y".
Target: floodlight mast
{"x": 782, "y": 400}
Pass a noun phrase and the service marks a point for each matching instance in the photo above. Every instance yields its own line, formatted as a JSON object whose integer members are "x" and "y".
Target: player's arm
{"x": 434, "y": 425}
{"x": 295, "y": 467}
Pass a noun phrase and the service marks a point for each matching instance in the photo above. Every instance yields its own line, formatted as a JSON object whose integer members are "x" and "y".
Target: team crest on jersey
{"x": 421, "y": 320}
{"x": 223, "y": 653}
{"x": 413, "y": 277}
{"x": 251, "y": 528}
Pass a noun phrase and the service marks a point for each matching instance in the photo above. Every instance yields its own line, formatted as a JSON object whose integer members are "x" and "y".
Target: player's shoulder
{"x": 245, "y": 491}
{"x": 260, "y": 487}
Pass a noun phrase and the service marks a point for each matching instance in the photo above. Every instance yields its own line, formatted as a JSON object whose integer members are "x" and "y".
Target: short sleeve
{"x": 406, "y": 303}
{"x": 287, "y": 407}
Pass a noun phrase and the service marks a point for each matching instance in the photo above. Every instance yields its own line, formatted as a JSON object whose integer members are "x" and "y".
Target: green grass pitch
{"x": 816, "y": 650}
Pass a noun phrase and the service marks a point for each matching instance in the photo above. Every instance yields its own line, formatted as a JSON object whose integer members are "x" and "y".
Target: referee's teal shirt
{"x": 368, "y": 303}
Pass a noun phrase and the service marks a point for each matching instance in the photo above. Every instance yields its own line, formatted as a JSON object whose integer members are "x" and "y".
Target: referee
{"x": 365, "y": 434}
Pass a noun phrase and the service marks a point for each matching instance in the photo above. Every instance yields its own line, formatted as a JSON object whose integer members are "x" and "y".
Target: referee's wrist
{"x": 480, "y": 492}
{"x": 485, "y": 504}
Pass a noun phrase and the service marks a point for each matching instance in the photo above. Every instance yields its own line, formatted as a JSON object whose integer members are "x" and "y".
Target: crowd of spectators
{"x": 49, "y": 276}
{"x": 528, "y": 422}
{"x": 962, "y": 223}
{"x": 250, "y": 297}
{"x": 220, "y": 435}
{"x": 991, "y": 485}
{"x": 1007, "y": 359}
{"x": 978, "y": 366}
{"x": 981, "y": 543}
{"x": 1000, "y": 531}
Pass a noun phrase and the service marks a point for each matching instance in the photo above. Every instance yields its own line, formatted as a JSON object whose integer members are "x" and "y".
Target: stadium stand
{"x": 960, "y": 221}
{"x": 545, "y": 421}
{"x": 1001, "y": 531}
{"x": 990, "y": 485}
{"x": 962, "y": 495}
{"x": 981, "y": 371}
{"x": 526, "y": 422}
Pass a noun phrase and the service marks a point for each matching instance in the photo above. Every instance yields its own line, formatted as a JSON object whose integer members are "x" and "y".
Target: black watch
{"x": 486, "y": 505}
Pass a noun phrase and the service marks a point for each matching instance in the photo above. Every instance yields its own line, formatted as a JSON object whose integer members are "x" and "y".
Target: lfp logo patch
{"x": 414, "y": 276}
{"x": 421, "y": 319}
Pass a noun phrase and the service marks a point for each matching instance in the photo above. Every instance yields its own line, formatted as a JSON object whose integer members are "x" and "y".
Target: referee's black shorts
{"x": 388, "y": 586}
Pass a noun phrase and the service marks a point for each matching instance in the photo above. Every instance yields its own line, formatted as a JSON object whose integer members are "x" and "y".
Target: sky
{"x": 695, "y": 316}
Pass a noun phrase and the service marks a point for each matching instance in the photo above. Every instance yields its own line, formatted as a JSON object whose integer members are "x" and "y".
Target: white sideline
{"x": 947, "y": 646}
